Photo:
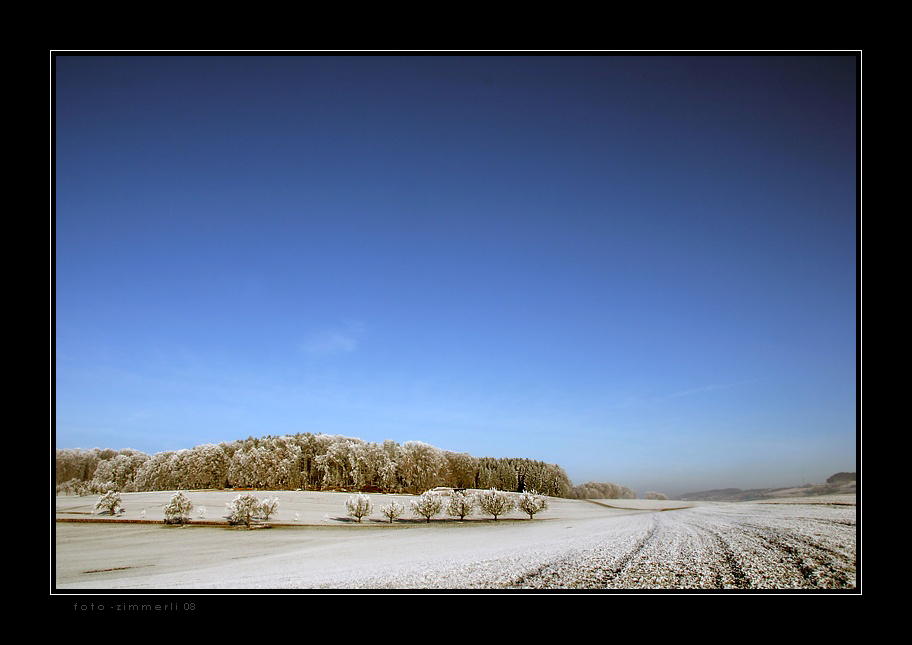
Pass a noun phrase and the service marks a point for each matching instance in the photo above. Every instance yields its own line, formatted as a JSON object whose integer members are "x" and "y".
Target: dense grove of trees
{"x": 307, "y": 461}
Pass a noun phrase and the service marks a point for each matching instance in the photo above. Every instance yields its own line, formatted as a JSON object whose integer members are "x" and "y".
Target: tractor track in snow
{"x": 722, "y": 547}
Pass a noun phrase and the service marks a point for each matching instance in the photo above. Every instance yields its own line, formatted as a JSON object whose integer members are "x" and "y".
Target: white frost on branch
{"x": 359, "y": 506}
{"x": 392, "y": 511}
{"x": 427, "y": 505}
{"x": 531, "y": 503}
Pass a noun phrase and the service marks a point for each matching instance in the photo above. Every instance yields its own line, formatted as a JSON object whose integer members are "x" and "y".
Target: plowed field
{"x": 574, "y": 545}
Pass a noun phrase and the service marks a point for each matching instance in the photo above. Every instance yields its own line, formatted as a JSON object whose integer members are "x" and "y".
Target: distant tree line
{"x": 601, "y": 490}
{"x": 307, "y": 461}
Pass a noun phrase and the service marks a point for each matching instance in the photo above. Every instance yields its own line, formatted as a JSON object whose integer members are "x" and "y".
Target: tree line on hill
{"x": 314, "y": 462}
{"x": 602, "y": 490}
{"x": 307, "y": 461}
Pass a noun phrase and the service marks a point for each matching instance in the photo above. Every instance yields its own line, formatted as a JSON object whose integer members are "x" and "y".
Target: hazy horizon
{"x": 640, "y": 268}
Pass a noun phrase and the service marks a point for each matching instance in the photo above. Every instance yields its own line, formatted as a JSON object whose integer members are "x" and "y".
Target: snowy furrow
{"x": 717, "y": 546}
{"x": 714, "y": 547}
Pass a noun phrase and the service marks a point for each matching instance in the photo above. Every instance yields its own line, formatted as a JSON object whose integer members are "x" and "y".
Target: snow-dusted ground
{"x": 611, "y": 544}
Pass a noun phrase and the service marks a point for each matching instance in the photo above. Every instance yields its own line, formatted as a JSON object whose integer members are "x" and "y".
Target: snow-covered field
{"x": 606, "y": 544}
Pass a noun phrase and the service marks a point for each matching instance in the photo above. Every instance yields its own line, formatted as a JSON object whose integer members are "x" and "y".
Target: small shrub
{"x": 268, "y": 507}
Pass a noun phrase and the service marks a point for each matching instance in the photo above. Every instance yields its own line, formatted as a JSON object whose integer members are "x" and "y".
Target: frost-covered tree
{"x": 460, "y": 505}
{"x": 531, "y": 503}
{"x": 75, "y": 464}
{"x": 109, "y": 502}
{"x": 71, "y": 487}
{"x": 651, "y": 494}
{"x": 154, "y": 474}
{"x": 495, "y": 502}
{"x": 461, "y": 469}
{"x": 121, "y": 469}
{"x": 421, "y": 466}
{"x": 285, "y": 456}
{"x": 359, "y": 506}
{"x": 179, "y": 467}
{"x": 389, "y": 465}
{"x": 392, "y": 511}
{"x": 310, "y": 461}
{"x": 546, "y": 479}
{"x": 427, "y": 505}
{"x": 338, "y": 463}
{"x": 372, "y": 467}
{"x": 242, "y": 509}
{"x": 260, "y": 467}
{"x": 177, "y": 510}
{"x": 268, "y": 507}
{"x": 208, "y": 465}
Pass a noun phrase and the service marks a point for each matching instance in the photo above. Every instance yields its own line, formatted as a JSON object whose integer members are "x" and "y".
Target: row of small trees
{"x": 243, "y": 509}
{"x": 307, "y": 461}
{"x": 457, "y": 504}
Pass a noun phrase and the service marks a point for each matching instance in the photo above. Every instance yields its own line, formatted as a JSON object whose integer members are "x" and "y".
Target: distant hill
{"x": 728, "y": 495}
{"x": 840, "y": 483}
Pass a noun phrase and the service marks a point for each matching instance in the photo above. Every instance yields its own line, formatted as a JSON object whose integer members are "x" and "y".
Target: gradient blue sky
{"x": 642, "y": 268}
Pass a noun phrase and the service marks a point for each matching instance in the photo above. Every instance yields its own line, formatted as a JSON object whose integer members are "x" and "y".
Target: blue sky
{"x": 642, "y": 268}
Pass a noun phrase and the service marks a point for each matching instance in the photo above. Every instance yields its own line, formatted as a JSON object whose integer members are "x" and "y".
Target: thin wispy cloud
{"x": 636, "y": 400}
{"x": 340, "y": 340}
{"x": 704, "y": 389}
